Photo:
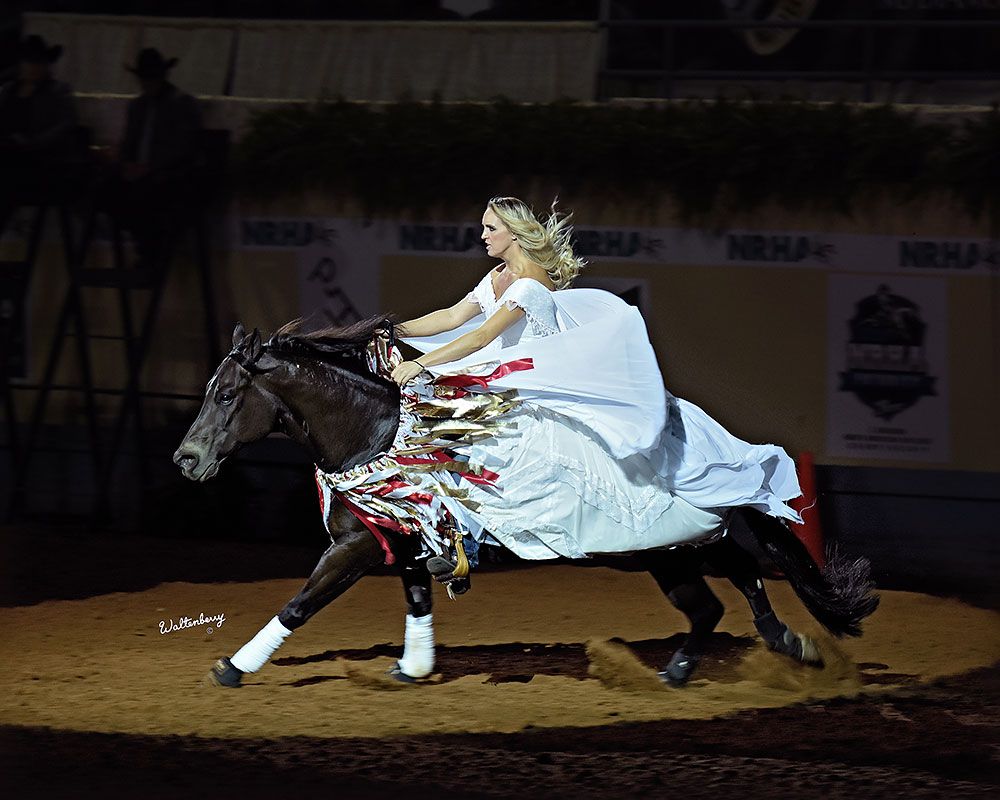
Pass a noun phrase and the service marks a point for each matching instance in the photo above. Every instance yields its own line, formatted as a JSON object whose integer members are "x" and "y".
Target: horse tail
{"x": 839, "y": 596}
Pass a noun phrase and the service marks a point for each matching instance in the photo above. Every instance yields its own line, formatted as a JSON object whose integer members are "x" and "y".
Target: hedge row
{"x": 708, "y": 156}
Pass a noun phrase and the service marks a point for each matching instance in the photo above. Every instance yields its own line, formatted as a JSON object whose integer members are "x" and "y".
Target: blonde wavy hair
{"x": 547, "y": 244}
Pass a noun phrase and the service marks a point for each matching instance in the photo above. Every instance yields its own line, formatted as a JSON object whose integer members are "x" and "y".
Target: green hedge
{"x": 711, "y": 157}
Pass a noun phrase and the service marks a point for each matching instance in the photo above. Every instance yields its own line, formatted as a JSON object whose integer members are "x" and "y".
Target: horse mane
{"x": 326, "y": 343}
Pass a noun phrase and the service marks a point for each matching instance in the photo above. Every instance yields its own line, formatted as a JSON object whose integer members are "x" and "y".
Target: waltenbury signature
{"x": 169, "y": 626}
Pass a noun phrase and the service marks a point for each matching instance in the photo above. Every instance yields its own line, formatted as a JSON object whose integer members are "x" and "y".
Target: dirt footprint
{"x": 374, "y": 674}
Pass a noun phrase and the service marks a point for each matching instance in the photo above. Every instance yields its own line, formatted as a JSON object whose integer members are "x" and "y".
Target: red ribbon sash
{"x": 461, "y": 381}
{"x": 372, "y": 522}
{"x": 375, "y": 523}
{"x": 417, "y": 497}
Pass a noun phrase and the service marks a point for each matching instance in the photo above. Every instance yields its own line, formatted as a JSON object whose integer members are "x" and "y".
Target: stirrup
{"x": 454, "y": 576}
{"x": 446, "y": 573}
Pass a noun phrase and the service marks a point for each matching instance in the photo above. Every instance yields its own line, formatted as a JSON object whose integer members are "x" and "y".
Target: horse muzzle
{"x": 194, "y": 467}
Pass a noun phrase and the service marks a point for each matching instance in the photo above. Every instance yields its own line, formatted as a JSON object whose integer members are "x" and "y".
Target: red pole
{"x": 809, "y": 531}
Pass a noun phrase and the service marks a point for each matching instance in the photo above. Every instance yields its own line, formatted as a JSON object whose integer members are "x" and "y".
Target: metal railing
{"x": 867, "y": 75}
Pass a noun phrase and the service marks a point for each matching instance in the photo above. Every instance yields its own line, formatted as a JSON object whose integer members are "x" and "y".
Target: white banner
{"x": 887, "y": 368}
{"x": 837, "y": 252}
{"x": 339, "y": 259}
{"x": 337, "y": 262}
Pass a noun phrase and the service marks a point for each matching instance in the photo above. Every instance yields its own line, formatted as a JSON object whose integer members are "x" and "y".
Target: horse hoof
{"x": 224, "y": 674}
{"x": 397, "y": 674}
{"x": 809, "y": 652}
{"x": 800, "y": 647}
{"x": 679, "y": 670}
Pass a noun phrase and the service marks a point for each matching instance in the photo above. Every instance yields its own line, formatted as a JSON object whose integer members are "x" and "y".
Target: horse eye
{"x": 225, "y": 398}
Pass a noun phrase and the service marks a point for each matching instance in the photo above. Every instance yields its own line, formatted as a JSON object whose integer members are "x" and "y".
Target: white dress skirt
{"x": 597, "y": 457}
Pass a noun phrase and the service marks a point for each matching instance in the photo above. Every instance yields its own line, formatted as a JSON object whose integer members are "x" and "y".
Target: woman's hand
{"x": 396, "y": 331}
{"x": 406, "y": 371}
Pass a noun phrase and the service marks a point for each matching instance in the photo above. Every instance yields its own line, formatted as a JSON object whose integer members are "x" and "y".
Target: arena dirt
{"x": 78, "y": 662}
{"x": 545, "y": 688}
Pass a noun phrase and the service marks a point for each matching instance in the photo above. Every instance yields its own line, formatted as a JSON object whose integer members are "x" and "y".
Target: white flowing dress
{"x": 597, "y": 457}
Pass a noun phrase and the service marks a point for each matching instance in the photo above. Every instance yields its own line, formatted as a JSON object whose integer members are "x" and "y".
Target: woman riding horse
{"x": 535, "y": 419}
{"x": 592, "y": 421}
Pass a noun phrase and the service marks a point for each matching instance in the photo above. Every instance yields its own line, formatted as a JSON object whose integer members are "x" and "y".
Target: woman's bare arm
{"x": 444, "y": 319}
{"x": 464, "y": 345}
{"x": 474, "y": 340}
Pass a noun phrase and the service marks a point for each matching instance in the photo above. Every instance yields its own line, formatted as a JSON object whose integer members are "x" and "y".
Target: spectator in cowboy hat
{"x": 161, "y": 129}
{"x": 37, "y": 122}
{"x": 157, "y": 155}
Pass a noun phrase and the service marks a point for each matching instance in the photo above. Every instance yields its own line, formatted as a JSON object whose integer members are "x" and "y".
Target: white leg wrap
{"x": 255, "y": 653}
{"x": 418, "y": 646}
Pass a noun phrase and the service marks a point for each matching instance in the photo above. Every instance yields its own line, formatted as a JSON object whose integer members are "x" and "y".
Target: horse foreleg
{"x": 354, "y": 552}
{"x": 417, "y": 661}
{"x": 678, "y": 575}
{"x": 743, "y": 571}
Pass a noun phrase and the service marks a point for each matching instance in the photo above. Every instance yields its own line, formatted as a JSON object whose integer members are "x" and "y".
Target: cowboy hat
{"x": 151, "y": 64}
{"x": 33, "y": 50}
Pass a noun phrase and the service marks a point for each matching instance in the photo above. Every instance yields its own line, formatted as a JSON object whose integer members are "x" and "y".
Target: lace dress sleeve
{"x": 537, "y": 303}
{"x": 482, "y": 295}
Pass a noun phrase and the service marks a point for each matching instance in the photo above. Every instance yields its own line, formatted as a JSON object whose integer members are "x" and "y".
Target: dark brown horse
{"x": 318, "y": 389}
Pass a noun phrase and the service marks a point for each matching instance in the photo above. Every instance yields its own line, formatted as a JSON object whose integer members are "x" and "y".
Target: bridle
{"x": 288, "y": 421}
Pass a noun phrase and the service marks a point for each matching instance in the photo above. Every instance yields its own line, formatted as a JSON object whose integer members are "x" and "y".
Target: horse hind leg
{"x": 699, "y": 603}
{"x": 839, "y": 596}
{"x": 782, "y": 639}
{"x": 679, "y": 578}
{"x": 743, "y": 572}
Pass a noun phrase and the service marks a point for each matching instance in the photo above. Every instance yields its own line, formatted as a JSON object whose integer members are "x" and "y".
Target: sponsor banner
{"x": 277, "y": 233}
{"x": 338, "y": 259}
{"x": 339, "y": 272}
{"x": 800, "y": 249}
{"x": 464, "y": 239}
{"x": 887, "y": 366}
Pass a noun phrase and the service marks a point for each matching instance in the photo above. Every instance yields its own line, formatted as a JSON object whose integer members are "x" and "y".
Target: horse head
{"x": 236, "y": 409}
{"x": 313, "y": 387}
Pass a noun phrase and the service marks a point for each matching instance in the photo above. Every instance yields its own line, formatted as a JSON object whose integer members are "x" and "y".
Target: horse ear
{"x": 253, "y": 346}
{"x": 238, "y": 334}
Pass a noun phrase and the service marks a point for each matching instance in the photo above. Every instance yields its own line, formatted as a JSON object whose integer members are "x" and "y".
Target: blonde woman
{"x": 541, "y": 253}
{"x": 592, "y": 454}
